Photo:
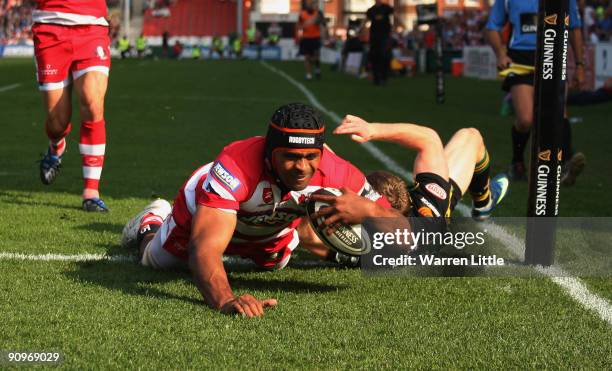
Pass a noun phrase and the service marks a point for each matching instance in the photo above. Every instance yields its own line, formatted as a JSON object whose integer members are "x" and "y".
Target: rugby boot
{"x": 94, "y": 205}
{"x": 499, "y": 187}
{"x": 572, "y": 168}
{"x": 159, "y": 207}
{"x": 50, "y": 166}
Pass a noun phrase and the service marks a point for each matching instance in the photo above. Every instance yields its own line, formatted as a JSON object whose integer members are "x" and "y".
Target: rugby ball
{"x": 346, "y": 239}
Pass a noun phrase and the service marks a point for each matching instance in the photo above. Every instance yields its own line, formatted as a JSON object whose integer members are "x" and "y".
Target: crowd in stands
{"x": 597, "y": 21}
{"x": 15, "y": 21}
{"x": 460, "y": 28}
{"x": 159, "y": 8}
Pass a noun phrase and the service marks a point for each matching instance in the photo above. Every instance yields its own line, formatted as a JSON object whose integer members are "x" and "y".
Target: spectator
{"x": 177, "y": 50}
{"x": 380, "y": 40}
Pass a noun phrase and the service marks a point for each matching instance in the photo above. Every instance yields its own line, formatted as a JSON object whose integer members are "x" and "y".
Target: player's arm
{"x": 495, "y": 24}
{"x": 575, "y": 39}
{"x": 425, "y": 141}
{"x": 350, "y": 208}
{"x": 212, "y": 230}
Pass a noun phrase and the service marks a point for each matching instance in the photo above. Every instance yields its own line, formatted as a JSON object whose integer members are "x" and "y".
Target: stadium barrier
{"x": 330, "y": 56}
{"x": 23, "y": 51}
{"x": 353, "y": 63}
{"x": 479, "y": 62}
{"x": 603, "y": 63}
{"x": 271, "y": 53}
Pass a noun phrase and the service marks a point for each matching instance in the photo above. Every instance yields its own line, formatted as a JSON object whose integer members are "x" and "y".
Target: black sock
{"x": 146, "y": 230}
{"x": 568, "y": 151}
{"x": 479, "y": 186}
{"x": 519, "y": 142}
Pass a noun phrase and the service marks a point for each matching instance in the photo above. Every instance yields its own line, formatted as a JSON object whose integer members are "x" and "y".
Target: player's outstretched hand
{"x": 358, "y": 128}
{"x": 349, "y": 208}
{"x": 247, "y": 306}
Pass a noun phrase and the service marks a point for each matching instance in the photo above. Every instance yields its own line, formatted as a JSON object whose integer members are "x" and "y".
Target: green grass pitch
{"x": 164, "y": 119}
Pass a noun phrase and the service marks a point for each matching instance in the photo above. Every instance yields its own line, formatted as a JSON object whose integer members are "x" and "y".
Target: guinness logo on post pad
{"x": 544, "y": 155}
{"x": 551, "y": 19}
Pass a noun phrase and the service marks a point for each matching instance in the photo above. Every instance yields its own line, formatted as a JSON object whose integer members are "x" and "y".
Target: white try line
{"x": 77, "y": 258}
{"x": 9, "y": 87}
{"x": 574, "y": 287}
{"x": 66, "y": 258}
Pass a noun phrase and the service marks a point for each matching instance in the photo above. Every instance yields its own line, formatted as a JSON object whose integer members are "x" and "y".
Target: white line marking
{"x": 9, "y": 87}
{"x": 232, "y": 260}
{"x": 571, "y": 285}
{"x": 68, "y": 258}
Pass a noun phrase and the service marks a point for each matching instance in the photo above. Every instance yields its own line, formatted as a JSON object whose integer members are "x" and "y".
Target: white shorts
{"x": 155, "y": 256}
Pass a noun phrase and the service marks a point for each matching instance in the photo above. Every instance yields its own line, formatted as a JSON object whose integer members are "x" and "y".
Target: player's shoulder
{"x": 338, "y": 172}
{"x": 245, "y": 150}
{"x": 244, "y": 156}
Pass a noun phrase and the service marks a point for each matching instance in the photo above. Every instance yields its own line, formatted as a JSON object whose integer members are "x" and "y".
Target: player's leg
{"x": 522, "y": 100}
{"x": 153, "y": 254}
{"x": 91, "y": 89}
{"x": 52, "y": 73}
{"x": 469, "y": 168}
{"x": 375, "y": 62}
{"x": 308, "y": 66}
{"x": 142, "y": 232}
{"x": 90, "y": 71}
{"x": 573, "y": 162}
{"x": 316, "y": 59}
{"x": 58, "y": 108}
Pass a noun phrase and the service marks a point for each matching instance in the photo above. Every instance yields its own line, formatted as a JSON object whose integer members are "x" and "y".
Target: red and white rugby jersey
{"x": 237, "y": 182}
{"x": 71, "y": 12}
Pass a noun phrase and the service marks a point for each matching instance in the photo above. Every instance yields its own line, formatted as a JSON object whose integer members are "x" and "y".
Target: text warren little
{"x": 432, "y": 260}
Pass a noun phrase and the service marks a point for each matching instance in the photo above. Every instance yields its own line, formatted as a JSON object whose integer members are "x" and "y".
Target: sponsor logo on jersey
{"x": 101, "y": 54}
{"x": 436, "y": 190}
{"x": 544, "y": 155}
{"x": 279, "y": 218}
{"x": 551, "y": 19}
{"x": 425, "y": 211}
{"x": 225, "y": 177}
{"x": 529, "y": 23}
{"x": 370, "y": 193}
{"x": 430, "y": 206}
{"x": 267, "y": 196}
{"x": 301, "y": 140}
{"x": 49, "y": 71}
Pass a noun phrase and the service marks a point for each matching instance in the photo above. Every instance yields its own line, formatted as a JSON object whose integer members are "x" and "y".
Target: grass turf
{"x": 166, "y": 118}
